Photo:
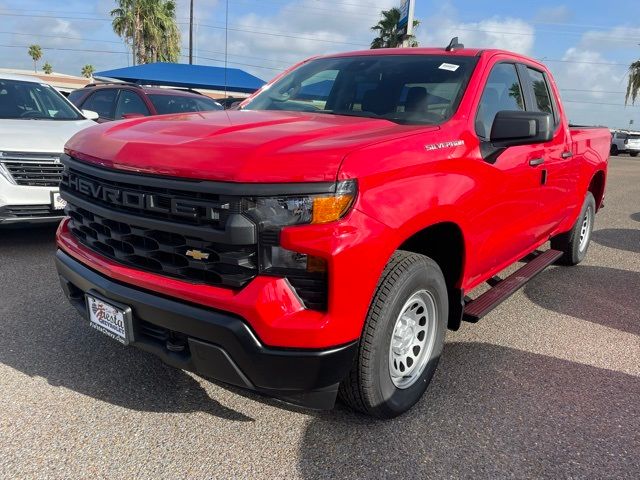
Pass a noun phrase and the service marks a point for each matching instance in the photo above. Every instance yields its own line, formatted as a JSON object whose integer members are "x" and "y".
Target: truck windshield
{"x": 408, "y": 89}
{"x": 21, "y": 100}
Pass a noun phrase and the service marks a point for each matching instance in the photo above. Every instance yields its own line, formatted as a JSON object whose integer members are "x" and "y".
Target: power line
{"x": 585, "y": 62}
{"x": 67, "y": 49}
{"x": 589, "y": 91}
{"x": 61, "y": 36}
{"x": 600, "y": 103}
{"x": 273, "y": 34}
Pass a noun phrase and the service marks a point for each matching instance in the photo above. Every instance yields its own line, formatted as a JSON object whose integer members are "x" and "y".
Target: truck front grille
{"x": 33, "y": 169}
{"x": 184, "y": 257}
{"x": 135, "y": 222}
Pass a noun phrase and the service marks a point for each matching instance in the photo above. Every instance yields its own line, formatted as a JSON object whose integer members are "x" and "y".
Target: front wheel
{"x": 634, "y": 154}
{"x": 575, "y": 242}
{"x": 614, "y": 150}
{"x": 402, "y": 338}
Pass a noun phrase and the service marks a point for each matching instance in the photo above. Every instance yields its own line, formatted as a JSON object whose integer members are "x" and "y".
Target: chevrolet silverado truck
{"x": 319, "y": 241}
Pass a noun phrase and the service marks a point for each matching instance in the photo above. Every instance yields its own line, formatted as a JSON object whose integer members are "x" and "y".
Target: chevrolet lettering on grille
{"x": 150, "y": 202}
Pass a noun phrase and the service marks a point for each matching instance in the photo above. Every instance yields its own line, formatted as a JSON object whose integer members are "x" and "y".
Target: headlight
{"x": 273, "y": 213}
{"x": 5, "y": 173}
{"x": 283, "y": 211}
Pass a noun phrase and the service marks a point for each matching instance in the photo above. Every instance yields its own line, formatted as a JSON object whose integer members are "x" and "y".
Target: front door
{"x": 504, "y": 222}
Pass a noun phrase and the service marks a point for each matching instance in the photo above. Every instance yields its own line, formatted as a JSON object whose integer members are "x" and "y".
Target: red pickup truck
{"x": 319, "y": 241}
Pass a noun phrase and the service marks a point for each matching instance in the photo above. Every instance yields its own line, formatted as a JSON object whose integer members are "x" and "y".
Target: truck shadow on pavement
{"x": 42, "y": 335}
{"x": 620, "y": 238}
{"x": 490, "y": 412}
{"x": 599, "y": 295}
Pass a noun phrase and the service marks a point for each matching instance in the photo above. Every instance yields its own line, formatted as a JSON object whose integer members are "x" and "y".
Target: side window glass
{"x": 540, "y": 91}
{"x": 130, "y": 102}
{"x": 502, "y": 92}
{"x": 101, "y": 102}
{"x": 75, "y": 96}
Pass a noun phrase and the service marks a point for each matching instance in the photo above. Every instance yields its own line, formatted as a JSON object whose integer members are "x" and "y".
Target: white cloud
{"x": 504, "y": 33}
{"x": 617, "y": 38}
{"x": 294, "y": 32}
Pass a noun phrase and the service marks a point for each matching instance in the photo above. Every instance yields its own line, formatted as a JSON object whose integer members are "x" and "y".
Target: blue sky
{"x": 587, "y": 43}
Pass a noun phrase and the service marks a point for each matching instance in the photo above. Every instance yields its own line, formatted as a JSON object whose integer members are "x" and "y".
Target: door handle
{"x": 567, "y": 154}
{"x": 534, "y": 162}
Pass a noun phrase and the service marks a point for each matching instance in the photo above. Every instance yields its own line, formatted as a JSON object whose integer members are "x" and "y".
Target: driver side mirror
{"x": 512, "y": 128}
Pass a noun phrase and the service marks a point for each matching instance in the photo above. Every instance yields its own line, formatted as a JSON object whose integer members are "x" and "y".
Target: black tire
{"x": 369, "y": 387}
{"x": 574, "y": 250}
{"x": 633, "y": 154}
{"x": 614, "y": 150}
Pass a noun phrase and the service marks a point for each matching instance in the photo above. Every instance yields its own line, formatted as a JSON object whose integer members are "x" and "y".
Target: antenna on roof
{"x": 454, "y": 45}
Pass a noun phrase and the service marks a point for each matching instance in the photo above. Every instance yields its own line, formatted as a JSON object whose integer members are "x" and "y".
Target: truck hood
{"x": 45, "y": 136}
{"x": 234, "y": 146}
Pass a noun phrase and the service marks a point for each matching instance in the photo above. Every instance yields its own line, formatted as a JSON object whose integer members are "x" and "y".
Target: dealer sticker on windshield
{"x": 449, "y": 66}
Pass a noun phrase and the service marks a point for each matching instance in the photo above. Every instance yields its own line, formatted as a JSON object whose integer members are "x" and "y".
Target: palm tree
{"x": 125, "y": 23}
{"x": 35, "y": 52}
{"x": 150, "y": 27}
{"x": 162, "y": 36}
{"x": 388, "y": 34}
{"x": 87, "y": 71}
{"x": 47, "y": 68}
{"x": 633, "y": 87}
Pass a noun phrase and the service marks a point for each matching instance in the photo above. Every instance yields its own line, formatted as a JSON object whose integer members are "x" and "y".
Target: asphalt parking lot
{"x": 548, "y": 385}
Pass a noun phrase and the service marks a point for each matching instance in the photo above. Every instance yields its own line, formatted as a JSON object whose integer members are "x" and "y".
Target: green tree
{"x": 633, "y": 86}
{"x": 35, "y": 52}
{"x": 47, "y": 68}
{"x": 150, "y": 27}
{"x": 87, "y": 71}
{"x": 516, "y": 94}
{"x": 387, "y": 31}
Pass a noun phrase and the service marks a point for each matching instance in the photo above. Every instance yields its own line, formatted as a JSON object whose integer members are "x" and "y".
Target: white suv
{"x": 35, "y": 123}
{"x": 625, "y": 142}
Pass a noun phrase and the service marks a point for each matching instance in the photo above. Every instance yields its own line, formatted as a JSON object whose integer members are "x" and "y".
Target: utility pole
{"x": 191, "y": 34}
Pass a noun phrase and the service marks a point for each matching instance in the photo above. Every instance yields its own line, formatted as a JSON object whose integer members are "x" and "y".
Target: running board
{"x": 501, "y": 289}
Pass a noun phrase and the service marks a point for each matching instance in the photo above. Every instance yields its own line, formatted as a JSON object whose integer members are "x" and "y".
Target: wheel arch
{"x": 596, "y": 187}
{"x": 444, "y": 243}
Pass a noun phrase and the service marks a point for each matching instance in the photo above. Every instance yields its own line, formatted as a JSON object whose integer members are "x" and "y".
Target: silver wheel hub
{"x": 412, "y": 340}
{"x": 585, "y": 230}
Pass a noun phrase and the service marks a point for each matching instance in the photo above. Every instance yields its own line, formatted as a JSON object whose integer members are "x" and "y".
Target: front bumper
{"x": 26, "y": 204}
{"x": 12, "y": 214}
{"x": 217, "y": 344}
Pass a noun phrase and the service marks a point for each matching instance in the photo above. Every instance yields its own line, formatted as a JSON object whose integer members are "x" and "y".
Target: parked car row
{"x": 36, "y": 121}
{"x": 625, "y": 142}
{"x": 116, "y": 101}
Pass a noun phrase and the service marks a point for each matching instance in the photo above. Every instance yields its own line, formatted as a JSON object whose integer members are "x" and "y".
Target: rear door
{"x": 559, "y": 170}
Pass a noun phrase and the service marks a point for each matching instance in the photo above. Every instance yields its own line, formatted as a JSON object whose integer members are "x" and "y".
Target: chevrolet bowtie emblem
{"x": 197, "y": 255}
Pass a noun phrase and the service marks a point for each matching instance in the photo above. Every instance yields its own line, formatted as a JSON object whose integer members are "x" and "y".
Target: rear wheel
{"x": 402, "y": 338}
{"x": 633, "y": 154}
{"x": 614, "y": 150}
{"x": 575, "y": 242}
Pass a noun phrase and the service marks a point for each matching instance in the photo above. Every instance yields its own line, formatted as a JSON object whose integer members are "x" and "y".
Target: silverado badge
{"x": 197, "y": 255}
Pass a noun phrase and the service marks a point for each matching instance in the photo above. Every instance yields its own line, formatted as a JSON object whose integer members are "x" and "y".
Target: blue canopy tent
{"x": 187, "y": 76}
